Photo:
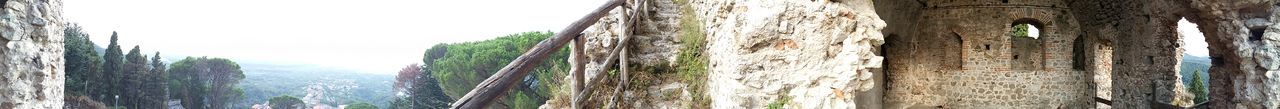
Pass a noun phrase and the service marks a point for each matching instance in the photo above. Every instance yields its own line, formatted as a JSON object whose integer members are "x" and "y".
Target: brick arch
{"x": 1027, "y": 53}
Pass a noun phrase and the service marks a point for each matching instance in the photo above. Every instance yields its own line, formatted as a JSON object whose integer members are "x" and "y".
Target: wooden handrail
{"x": 498, "y": 84}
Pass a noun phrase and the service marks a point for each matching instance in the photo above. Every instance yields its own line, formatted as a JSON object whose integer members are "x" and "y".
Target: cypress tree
{"x": 113, "y": 70}
{"x": 82, "y": 62}
{"x": 156, "y": 84}
{"x": 135, "y": 71}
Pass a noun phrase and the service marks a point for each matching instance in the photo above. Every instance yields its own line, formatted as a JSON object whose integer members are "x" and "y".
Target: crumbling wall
{"x": 803, "y": 54}
{"x": 1042, "y": 75}
{"x": 31, "y": 55}
{"x": 1244, "y": 42}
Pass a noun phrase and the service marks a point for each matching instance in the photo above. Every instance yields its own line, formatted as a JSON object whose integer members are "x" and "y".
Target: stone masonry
{"x": 31, "y": 54}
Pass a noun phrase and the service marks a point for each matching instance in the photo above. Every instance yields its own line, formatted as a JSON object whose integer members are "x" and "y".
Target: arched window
{"x": 1027, "y": 48}
{"x": 1196, "y": 60}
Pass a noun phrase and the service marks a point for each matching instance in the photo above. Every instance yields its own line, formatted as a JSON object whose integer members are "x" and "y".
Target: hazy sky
{"x": 1192, "y": 39}
{"x": 375, "y": 36}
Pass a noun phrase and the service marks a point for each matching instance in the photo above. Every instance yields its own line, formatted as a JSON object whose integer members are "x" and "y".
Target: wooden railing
{"x": 498, "y": 84}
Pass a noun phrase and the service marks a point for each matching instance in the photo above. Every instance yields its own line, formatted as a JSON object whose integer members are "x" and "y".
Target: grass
{"x": 693, "y": 69}
{"x": 779, "y": 103}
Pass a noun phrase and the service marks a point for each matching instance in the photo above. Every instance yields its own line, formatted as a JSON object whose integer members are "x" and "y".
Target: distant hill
{"x": 1190, "y": 64}
{"x": 101, "y": 50}
{"x": 327, "y": 85}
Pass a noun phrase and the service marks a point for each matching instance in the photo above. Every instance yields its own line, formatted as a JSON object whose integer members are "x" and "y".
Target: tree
{"x": 134, "y": 73}
{"x": 1020, "y": 30}
{"x": 82, "y": 62}
{"x": 205, "y": 81}
{"x": 113, "y": 69}
{"x": 361, "y": 105}
{"x": 426, "y": 92}
{"x": 459, "y": 67}
{"x": 286, "y": 102}
{"x": 1199, "y": 89}
{"x": 155, "y": 84}
{"x": 406, "y": 77}
{"x": 400, "y": 103}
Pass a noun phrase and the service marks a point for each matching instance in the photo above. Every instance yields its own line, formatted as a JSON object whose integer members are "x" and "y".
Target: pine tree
{"x": 113, "y": 71}
{"x": 203, "y": 83}
{"x": 135, "y": 71}
{"x": 156, "y": 84}
{"x": 425, "y": 92}
{"x": 82, "y": 62}
{"x": 1198, "y": 88}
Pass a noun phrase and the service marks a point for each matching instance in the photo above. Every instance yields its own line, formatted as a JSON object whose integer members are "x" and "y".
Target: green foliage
{"x": 154, "y": 85}
{"x": 1199, "y": 89}
{"x": 113, "y": 70}
{"x": 523, "y": 101}
{"x": 459, "y": 67}
{"x": 779, "y": 103}
{"x": 205, "y": 81}
{"x": 134, "y": 71}
{"x": 400, "y": 103}
{"x": 1020, "y": 30}
{"x": 286, "y": 102}
{"x": 426, "y": 92}
{"x": 693, "y": 69}
{"x": 361, "y": 106}
{"x": 83, "y": 65}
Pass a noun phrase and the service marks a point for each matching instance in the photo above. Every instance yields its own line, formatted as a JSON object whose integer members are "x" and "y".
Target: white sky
{"x": 1192, "y": 39}
{"x": 373, "y": 36}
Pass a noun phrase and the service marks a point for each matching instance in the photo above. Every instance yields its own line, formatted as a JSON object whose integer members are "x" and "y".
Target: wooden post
{"x": 579, "y": 66}
{"x": 498, "y": 84}
{"x": 628, "y": 21}
{"x": 612, "y": 58}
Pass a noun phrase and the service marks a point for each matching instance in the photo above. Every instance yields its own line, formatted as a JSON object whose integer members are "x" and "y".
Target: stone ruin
{"x": 959, "y": 53}
{"x": 882, "y": 53}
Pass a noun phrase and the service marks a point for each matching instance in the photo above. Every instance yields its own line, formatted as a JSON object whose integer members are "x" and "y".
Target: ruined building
{"x": 953, "y": 53}
{"x": 860, "y": 53}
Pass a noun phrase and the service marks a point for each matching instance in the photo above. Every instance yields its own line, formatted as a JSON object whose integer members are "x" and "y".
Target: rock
{"x": 808, "y": 51}
{"x": 31, "y": 58}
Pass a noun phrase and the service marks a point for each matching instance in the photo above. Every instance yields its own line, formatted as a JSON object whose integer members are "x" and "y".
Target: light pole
{"x": 117, "y": 102}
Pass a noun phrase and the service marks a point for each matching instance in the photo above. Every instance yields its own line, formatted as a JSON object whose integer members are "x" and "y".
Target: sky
{"x": 370, "y": 36}
{"x": 1192, "y": 39}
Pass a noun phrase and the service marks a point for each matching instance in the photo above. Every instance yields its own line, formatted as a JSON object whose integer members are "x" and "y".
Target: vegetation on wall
{"x": 692, "y": 61}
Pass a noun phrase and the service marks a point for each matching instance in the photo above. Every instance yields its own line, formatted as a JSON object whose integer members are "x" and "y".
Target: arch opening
{"x": 1027, "y": 47}
{"x": 1196, "y": 61}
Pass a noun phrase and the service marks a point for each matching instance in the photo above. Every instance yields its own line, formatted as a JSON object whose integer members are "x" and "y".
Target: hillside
{"x": 313, "y": 84}
{"x": 1190, "y": 64}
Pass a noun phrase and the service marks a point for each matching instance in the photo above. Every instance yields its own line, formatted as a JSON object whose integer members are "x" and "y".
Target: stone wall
{"x": 818, "y": 54}
{"x": 960, "y": 53}
{"x": 1244, "y": 43}
{"x": 31, "y": 55}
{"x": 995, "y": 69}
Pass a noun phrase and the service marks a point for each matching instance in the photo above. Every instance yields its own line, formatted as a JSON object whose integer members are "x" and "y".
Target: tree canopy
{"x": 459, "y": 67}
{"x": 286, "y": 102}
{"x": 205, "y": 81}
{"x": 361, "y": 105}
